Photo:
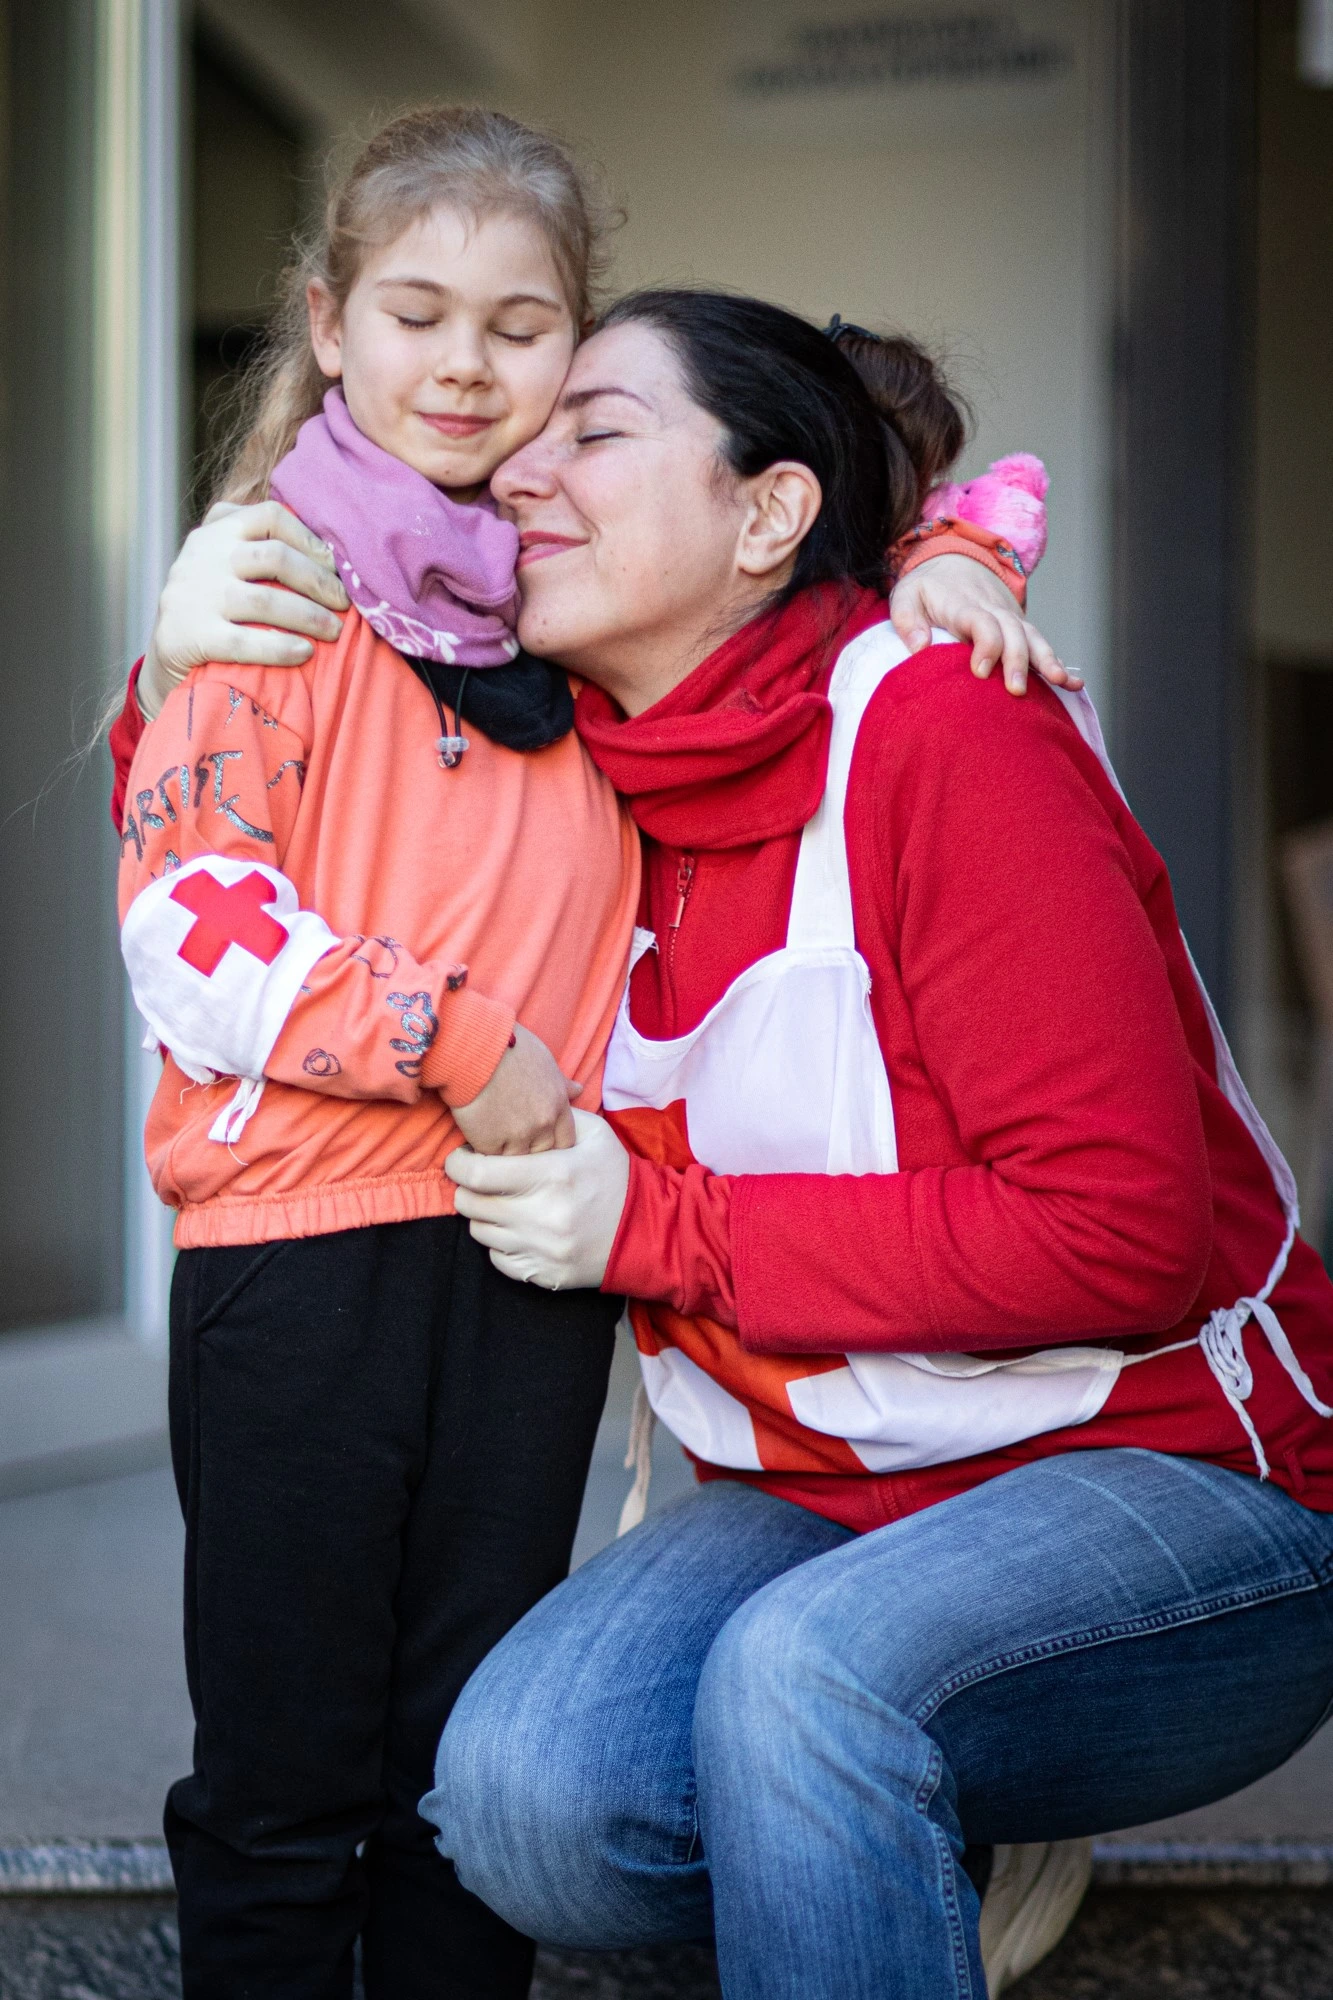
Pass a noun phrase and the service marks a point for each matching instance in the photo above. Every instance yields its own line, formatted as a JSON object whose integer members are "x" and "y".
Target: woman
{"x": 1007, "y": 1373}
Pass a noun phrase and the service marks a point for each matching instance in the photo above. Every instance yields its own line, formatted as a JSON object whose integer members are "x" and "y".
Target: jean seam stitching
{"x": 925, "y": 1792}
{"x": 1101, "y": 1635}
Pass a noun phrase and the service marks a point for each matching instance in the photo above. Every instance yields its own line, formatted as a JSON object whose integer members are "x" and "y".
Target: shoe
{"x": 1030, "y": 1902}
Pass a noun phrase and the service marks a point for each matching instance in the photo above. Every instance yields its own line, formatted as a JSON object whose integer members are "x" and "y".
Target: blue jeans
{"x": 742, "y": 1719}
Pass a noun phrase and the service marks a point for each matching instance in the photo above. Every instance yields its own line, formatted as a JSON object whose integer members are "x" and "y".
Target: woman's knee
{"x": 781, "y": 1687}
{"x": 544, "y": 1819}
{"x": 791, "y": 1739}
{"x": 507, "y": 1798}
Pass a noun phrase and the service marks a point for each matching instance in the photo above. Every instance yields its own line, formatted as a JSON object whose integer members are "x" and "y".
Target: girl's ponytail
{"x": 278, "y": 391}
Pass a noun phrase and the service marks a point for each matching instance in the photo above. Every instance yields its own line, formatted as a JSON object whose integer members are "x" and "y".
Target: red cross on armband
{"x": 228, "y": 916}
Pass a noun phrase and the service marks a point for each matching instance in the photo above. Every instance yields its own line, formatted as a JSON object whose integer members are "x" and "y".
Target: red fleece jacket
{"x": 1069, "y": 1167}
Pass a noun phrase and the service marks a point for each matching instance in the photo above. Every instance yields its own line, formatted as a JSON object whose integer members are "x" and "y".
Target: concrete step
{"x": 1125, "y": 1945}
{"x": 64, "y": 1868}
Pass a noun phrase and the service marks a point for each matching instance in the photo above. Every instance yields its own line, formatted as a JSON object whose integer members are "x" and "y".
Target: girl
{"x": 380, "y": 1441}
{"x": 341, "y": 889}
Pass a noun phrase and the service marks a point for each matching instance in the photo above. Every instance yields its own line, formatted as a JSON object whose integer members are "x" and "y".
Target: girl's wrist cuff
{"x": 947, "y": 537}
{"x": 469, "y": 1045}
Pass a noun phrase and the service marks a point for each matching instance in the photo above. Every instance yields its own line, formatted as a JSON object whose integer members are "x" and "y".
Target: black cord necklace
{"x": 524, "y": 705}
{"x": 451, "y": 742}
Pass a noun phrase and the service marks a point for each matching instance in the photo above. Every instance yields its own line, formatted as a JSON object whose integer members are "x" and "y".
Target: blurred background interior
{"x": 1114, "y": 217}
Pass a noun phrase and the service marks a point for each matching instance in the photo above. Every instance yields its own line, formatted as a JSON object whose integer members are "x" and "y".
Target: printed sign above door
{"x": 828, "y": 72}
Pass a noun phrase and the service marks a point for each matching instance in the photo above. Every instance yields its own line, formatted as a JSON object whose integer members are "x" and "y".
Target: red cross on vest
{"x": 228, "y": 916}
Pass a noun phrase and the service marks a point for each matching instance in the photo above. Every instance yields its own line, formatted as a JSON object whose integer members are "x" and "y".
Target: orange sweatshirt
{"x": 306, "y": 897}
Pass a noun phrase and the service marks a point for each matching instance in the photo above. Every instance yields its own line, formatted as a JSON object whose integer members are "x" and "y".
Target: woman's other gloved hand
{"x": 548, "y": 1220}
{"x": 251, "y": 585}
{"x": 963, "y": 597}
{"x": 525, "y": 1106}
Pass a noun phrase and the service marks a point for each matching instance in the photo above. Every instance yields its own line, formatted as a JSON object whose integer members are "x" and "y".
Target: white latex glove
{"x": 219, "y": 601}
{"x": 549, "y": 1219}
{"x": 964, "y": 597}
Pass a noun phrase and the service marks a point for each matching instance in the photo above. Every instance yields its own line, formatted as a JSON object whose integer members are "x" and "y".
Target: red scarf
{"x": 737, "y": 753}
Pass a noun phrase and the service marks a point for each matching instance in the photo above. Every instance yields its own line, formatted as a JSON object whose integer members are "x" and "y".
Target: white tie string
{"x": 236, "y": 1114}
{"x": 1224, "y": 1350}
{"x": 639, "y": 1460}
{"x": 1223, "y": 1343}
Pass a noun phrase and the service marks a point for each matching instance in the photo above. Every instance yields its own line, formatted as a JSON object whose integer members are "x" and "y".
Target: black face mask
{"x": 523, "y": 706}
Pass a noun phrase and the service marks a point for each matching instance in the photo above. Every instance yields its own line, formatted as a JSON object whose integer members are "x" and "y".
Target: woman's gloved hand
{"x": 964, "y": 597}
{"x": 549, "y": 1219}
{"x": 251, "y": 585}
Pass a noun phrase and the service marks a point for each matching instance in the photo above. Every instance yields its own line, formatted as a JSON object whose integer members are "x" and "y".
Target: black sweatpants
{"x": 380, "y": 1446}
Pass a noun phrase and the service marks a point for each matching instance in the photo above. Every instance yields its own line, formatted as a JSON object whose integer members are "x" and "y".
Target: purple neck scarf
{"x": 433, "y": 577}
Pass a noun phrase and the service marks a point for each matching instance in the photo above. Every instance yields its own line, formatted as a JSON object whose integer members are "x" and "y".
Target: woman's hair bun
{"x": 908, "y": 388}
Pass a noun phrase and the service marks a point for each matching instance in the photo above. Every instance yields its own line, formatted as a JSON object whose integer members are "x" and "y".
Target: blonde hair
{"x": 452, "y": 154}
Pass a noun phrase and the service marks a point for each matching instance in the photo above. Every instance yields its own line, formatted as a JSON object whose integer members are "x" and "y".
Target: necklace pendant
{"x": 450, "y": 751}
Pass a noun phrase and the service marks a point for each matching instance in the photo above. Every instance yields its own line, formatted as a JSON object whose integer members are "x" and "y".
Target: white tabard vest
{"x": 785, "y": 1075}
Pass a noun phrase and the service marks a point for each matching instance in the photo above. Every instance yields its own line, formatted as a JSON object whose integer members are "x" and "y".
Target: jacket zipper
{"x": 684, "y": 882}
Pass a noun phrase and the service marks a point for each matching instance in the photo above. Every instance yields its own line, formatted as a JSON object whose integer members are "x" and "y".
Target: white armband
{"x": 217, "y": 952}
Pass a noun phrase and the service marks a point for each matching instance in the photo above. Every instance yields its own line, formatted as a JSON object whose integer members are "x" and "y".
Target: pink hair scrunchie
{"x": 1008, "y": 500}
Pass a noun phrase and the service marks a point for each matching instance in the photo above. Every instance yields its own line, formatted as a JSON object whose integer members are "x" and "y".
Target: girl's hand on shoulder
{"x": 964, "y": 597}
{"x": 525, "y": 1106}
{"x": 549, "y": 1220}
{"x": 250, "y": 585}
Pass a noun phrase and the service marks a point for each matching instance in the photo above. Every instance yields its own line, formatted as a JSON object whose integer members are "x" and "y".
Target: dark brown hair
{"x": 912, "y": 396}
{"x": 872, "y": 417}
